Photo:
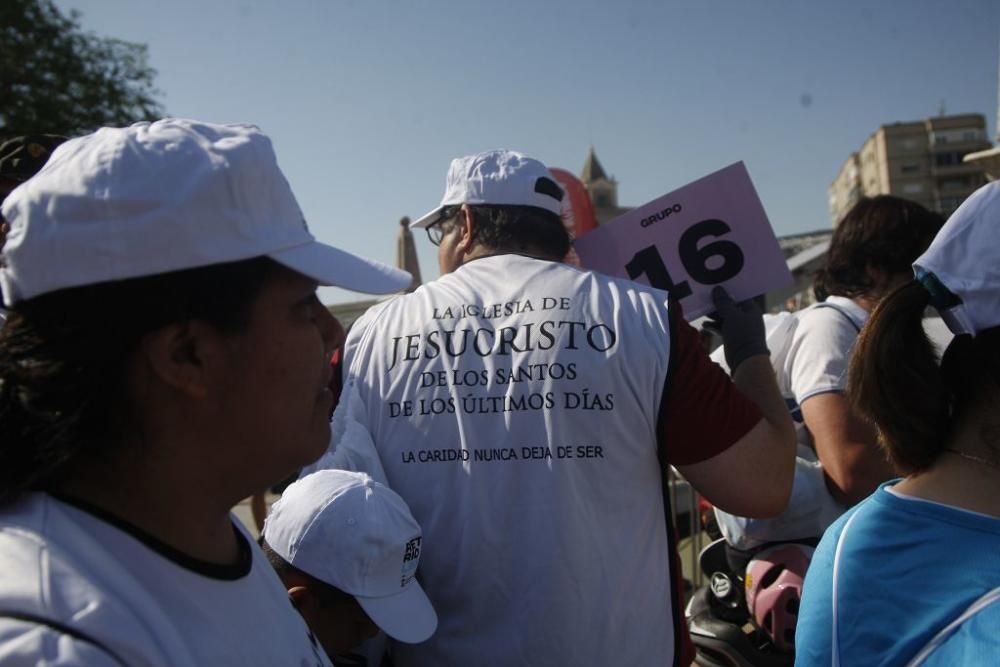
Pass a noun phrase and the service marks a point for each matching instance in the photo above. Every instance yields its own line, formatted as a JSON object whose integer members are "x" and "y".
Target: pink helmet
{"x": 774, "y": 587}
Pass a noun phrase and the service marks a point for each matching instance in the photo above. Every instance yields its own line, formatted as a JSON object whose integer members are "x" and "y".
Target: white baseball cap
{"x": 357, "y": 535}
{"x": 961, "y": 267}
{"x": 501, "y": 178}
{"x": 157, "y": 197}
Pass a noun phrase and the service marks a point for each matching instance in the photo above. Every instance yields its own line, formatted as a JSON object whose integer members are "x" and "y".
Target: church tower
{"x": 406, "y": 254}
{"x": 603, "y": 190}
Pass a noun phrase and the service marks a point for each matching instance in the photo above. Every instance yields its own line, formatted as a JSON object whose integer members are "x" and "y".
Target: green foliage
{"x": 55, "y": 78}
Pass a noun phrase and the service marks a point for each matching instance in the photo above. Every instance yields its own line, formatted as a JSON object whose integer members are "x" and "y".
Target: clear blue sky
{"x": 368, "y": 100}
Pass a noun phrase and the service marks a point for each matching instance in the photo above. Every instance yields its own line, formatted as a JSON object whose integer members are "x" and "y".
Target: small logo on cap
{"x": 412, "y": 550}
{"x": 411, "y": 555}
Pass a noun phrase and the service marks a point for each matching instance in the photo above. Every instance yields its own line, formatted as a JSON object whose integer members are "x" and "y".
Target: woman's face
{"x": 276, "y": 388}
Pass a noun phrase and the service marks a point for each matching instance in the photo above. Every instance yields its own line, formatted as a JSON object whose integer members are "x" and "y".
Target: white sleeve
{"x": 27, "y": 644}
{"x": 819, "y": 354}
{"x": 354, "y": 448}
{"x": 351, "y": 444}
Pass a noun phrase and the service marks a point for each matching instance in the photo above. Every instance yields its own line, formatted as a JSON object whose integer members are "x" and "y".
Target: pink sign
{"x": 710, "y": 232}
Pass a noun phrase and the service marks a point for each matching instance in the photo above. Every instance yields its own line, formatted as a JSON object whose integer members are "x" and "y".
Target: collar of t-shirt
{"x": 857, "y": 314}
{"x": 890, "y": 488}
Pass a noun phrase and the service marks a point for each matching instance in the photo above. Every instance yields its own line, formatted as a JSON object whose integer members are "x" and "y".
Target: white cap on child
{"x": 358, "y": 536}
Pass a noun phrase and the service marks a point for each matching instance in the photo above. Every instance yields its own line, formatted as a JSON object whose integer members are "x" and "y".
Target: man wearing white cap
{"x": 347, "y": 549}
{"x": 525, "y": 410}
{"x": 166, "y": 355}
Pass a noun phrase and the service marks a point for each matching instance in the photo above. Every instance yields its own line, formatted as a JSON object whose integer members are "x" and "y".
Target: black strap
{"x": 64, "y": 629}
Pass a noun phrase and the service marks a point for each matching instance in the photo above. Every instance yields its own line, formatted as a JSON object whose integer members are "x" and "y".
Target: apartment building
{"x": 919, "y": 160}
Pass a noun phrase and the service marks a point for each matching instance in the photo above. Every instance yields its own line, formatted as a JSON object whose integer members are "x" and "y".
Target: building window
{"x": 948, "y": 159}
{"x": 957, "y": 136}
{"x": 602, "y": 200}
{"x": 909, "y": 168}
{"x": 954, "y": 183}
{"x": 913, "y": 188}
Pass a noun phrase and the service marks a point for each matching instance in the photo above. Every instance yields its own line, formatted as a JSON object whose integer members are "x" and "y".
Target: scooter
{"x": 746, "y": 619}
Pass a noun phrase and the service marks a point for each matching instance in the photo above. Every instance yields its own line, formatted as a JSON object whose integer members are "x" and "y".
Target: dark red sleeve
{"x": 702, "y": 412}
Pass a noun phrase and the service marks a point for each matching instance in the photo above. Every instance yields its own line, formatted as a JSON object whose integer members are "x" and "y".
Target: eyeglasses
{"x": 436, "y": 230}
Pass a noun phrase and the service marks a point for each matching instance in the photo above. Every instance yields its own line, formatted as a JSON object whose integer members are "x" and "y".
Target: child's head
{"x": 347, "y": 549}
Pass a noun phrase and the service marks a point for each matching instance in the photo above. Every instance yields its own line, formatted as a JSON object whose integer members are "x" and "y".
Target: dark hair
{"x": 521, "y": 229}
{"x": 328, "y": 594}
{"x": 280, "y": 565}
{"x": 65, "y": 358}
{"x": 896, "y": 382}
{"x": 885, "y": 233}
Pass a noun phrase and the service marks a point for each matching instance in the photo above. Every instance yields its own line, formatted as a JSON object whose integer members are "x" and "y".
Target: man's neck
{"x": 480, "y": 252}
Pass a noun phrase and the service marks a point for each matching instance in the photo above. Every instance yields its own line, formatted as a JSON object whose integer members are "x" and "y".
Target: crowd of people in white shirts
{"x": 490, "y": 490}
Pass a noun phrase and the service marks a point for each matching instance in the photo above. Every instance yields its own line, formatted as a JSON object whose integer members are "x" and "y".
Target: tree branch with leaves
{"x": 56, "y": 78}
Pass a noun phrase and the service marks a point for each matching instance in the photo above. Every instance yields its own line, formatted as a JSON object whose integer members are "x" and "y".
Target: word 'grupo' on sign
{"x": 713, "y": 231}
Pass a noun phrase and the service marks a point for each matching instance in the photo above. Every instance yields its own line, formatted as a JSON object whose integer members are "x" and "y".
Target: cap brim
{"x": 408, "y": 616}
{"x": 427, "y": 218}
{"x": 337, "y": 268}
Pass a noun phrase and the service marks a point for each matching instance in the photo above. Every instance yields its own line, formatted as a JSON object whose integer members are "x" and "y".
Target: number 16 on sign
{"x": 710, "y": 232}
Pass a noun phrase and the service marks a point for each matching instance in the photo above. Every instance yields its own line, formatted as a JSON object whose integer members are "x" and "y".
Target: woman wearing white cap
{"x": 166, "y": 356}
{"x": 911, "y": 575}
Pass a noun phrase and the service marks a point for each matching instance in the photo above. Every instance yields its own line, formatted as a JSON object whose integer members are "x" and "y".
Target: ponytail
{"x": 895, "y": 381}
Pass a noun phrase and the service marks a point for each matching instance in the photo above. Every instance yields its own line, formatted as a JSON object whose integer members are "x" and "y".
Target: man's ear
{"x": 466, "y": 229}
{"x": 179, "y": 355}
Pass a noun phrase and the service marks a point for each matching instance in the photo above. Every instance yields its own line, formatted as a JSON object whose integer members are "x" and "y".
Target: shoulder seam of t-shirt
{"x": 668, "y": 377}
{"x": 64, "y": 629}
{"x": 665, "y": 469}
{"x": 840, "y": 310}
{"x": 835, "y": 630}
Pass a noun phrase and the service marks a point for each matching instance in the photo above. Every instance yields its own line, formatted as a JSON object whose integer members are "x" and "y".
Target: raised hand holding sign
{"x": 710, "y": 232}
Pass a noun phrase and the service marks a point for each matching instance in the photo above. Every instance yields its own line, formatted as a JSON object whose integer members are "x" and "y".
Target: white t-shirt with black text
{"x": 514, "y": 405}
